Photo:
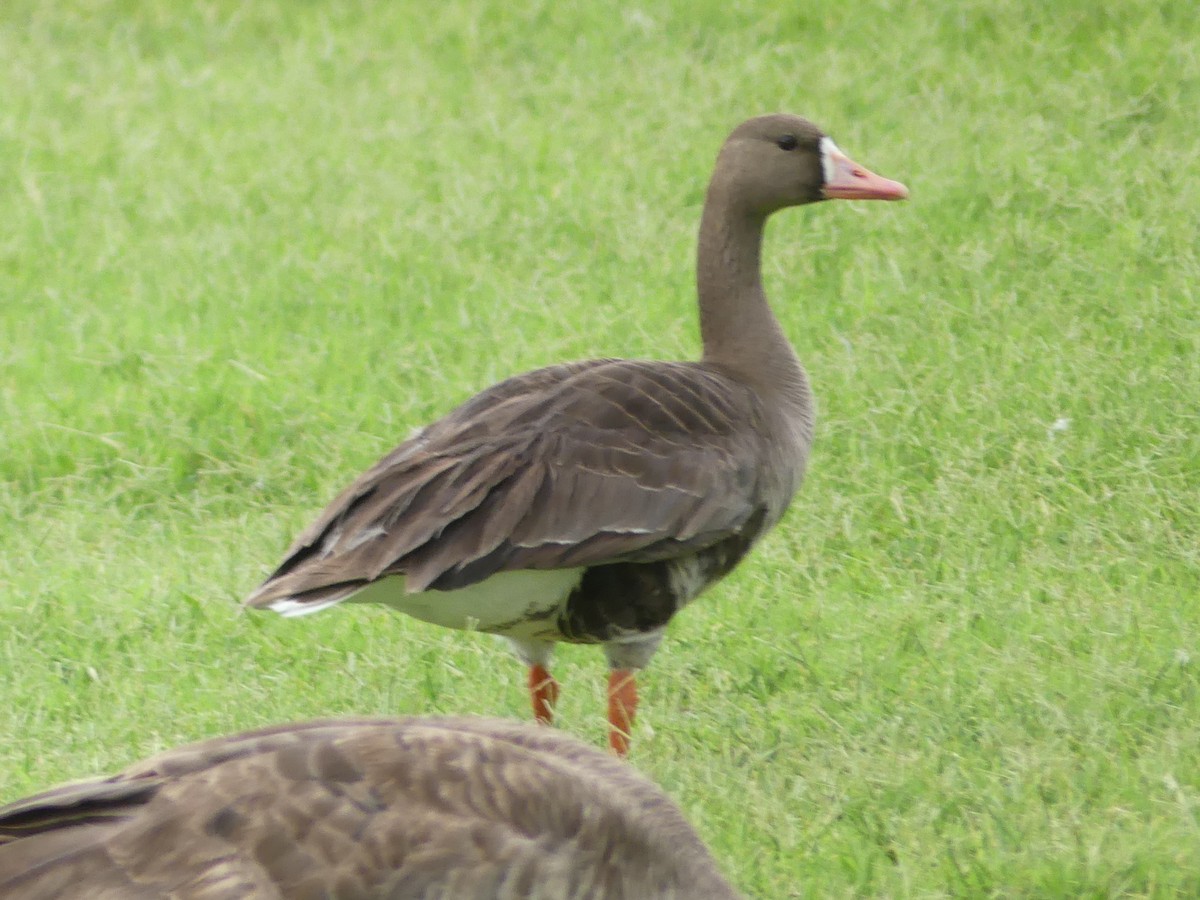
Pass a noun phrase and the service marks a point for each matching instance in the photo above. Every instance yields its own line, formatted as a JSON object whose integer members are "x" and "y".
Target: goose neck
{"x": 737, "y": 326}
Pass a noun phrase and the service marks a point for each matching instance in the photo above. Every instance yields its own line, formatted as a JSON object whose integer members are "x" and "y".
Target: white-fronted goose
{"x": 403, "y": 809}
{"x": 588, "y": 502}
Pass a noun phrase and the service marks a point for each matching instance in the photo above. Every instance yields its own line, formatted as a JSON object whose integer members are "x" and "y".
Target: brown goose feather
{"x": 361, "y": 808}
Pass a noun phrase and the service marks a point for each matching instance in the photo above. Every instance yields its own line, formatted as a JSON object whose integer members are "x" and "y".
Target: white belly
{"x": 516, "y": 604}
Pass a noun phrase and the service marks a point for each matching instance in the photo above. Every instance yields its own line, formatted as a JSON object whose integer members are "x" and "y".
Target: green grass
{"x": 245, "y": 248}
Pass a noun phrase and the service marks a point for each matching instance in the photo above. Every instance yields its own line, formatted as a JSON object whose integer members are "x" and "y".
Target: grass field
{"x": 246, "y": 248}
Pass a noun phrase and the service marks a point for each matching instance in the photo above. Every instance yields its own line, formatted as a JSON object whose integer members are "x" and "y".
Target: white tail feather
{"x": 292, "y": 608}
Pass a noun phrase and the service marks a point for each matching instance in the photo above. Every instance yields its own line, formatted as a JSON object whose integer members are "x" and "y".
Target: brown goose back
{"x": 367, "y": 808}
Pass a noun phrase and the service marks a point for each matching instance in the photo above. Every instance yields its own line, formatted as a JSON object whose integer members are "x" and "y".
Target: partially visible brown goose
{"x": 370, "y": 808}
{"x": 589, "y": 502}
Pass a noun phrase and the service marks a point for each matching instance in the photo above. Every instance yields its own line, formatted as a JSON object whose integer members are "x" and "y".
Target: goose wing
{"x": 576, "y": 465}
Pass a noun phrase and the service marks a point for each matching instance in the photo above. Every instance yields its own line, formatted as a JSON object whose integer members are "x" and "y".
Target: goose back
{"x": 366, "y": 808}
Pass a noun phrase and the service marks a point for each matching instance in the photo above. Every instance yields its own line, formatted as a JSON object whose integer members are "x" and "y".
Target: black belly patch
{"x": 628, "y": 598}
{"x": 621, "y": 598}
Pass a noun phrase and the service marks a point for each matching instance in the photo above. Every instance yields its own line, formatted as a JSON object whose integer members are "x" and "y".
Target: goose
{"x": 588, "y": 502}
{"x": 403, "y": 809}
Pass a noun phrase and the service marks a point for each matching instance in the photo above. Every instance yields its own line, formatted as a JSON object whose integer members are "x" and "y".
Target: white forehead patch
{"x": 828, "y": 149}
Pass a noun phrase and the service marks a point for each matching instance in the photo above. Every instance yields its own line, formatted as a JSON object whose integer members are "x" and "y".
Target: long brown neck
{"x": 737, "y": 326}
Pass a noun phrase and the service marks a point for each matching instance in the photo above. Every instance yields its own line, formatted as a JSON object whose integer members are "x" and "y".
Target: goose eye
{"x": 787, "y": 142}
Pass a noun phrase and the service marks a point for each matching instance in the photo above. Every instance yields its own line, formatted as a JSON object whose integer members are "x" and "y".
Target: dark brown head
{"x": 771, "y": 162}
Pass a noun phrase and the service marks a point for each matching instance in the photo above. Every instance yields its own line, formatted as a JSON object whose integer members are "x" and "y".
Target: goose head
{"x": 776, "y": 161}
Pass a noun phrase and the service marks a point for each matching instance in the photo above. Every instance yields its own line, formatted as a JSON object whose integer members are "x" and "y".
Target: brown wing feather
{"x": 611, "y": 460}
{"x": 406, "y": 808}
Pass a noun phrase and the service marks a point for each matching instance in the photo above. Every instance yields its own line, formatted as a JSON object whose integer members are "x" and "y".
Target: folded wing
{"x": 574, "y": 465}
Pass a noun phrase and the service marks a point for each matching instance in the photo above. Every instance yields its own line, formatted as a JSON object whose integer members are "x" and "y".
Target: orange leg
{"x": 622, "y": 708}
{"x": 543, "y": 690}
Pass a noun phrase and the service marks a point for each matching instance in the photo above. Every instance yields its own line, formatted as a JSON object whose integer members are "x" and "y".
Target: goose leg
{"x": 543, "y": 691}
{"x": 622, "y": 708}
